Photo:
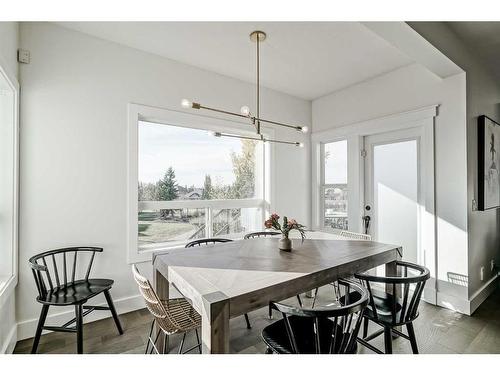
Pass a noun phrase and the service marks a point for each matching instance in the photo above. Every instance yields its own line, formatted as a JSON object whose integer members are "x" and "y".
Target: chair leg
{"x": 270, "y": 312}
{"x": 248, "y": 322}
{"x": 149, "y": 336}
{"x": 413, "y": 339}
{"x": 39, "y": 328}
{"x": 198, "y": 340}
{"x": 315, "y": 296}
{"x": 165, "y": 343}
{"x": 109, "y": 300}
{"x": 182, "y": 343}
{"x": 300, "y": 301}
{"x": 79, "y": 328}
{"x": 388, "y": 340}
{"x": 366, "y": 321}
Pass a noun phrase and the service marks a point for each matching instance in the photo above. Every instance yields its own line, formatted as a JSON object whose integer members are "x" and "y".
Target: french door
{"x": 395, "y": 189}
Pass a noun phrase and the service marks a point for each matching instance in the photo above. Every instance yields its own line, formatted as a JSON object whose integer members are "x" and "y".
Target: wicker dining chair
{"x": 175, "y": 316}
{"x": 62, "y": 280}
{"x": 348, "y": 235}
{"x": 211, "y": 241}
{"x": 260, "y": 234}
{"x": 331, "y": 330}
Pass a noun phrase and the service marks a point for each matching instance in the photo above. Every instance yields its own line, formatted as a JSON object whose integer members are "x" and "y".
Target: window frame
{"x": 139, "y": 112}
{"x": 8, "y": 286}
{"x": 323, "y": 185}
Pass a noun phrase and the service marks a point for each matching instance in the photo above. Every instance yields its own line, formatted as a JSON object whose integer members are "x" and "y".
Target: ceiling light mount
{"x": 255, "y": 119}
{"x": 258, "y": 35}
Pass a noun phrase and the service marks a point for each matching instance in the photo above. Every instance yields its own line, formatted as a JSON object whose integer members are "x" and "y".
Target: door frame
{"x": 355, "y": 133}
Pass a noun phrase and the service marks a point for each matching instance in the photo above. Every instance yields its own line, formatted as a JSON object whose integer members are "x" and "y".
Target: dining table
{"x": 226, "y": 280}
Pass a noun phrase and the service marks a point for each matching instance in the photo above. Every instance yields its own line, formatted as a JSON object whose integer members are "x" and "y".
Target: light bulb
{"x": 304, "y": 129}
{"x": 185, "y": 103}
{"x": 244, "y": 110}
{"x": 301, "y": 145}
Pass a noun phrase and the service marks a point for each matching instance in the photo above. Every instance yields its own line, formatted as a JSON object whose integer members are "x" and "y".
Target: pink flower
{"x": 268, "y": 224}
{"x": 292, "y": 222}
{"x": 275, "y": 216}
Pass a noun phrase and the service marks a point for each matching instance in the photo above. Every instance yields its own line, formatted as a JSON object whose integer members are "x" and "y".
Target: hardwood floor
{"x": 438, "y": 331}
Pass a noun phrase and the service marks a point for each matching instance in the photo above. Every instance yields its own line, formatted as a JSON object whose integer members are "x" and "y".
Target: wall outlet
{"x": 482, "y": 273}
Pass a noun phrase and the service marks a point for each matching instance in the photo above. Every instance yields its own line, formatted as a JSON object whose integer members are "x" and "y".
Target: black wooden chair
{"x": 210, "y": 241}
{"x": 330, "y": 330}
{"x": 55, "y": 289}
{"x": 392, "y": 310}
{"x": 251, "y": 235}
{"x": 260, "y": 234}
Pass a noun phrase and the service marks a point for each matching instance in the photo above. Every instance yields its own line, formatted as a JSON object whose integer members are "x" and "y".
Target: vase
{"x": 285, "y": 244}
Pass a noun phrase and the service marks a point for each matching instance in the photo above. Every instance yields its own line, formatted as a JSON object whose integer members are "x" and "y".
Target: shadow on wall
{"x": 458, "y": 279}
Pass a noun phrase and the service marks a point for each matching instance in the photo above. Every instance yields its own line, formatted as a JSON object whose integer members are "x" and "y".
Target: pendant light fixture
{"x": 255, "y": 120}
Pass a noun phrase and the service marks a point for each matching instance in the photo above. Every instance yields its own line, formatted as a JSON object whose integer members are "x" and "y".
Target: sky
{"x": 336, "y": 162}
{"x": 192, "y": 153}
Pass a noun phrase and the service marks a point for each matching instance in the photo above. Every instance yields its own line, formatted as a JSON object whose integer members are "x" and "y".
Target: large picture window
{"x": 193, "y": 185}
{"x": 334, "y": 191}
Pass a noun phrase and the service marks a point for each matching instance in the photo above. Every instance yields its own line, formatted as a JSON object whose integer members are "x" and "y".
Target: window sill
{"x": 7, "y": 287}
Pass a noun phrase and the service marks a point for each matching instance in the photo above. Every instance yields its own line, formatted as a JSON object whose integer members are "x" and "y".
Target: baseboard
{"x": 10, "y": 342}
{"x": 467, "y": 305}
{"x": 27, "y": 328}
{"x": 480, "y": 296}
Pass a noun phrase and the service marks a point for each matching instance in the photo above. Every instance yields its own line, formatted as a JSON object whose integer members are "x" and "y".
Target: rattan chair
{"x": 348, "y": 235}
{"x": 58, "y": 287}
{"x": 319, "y": 331}
{"x": 175, "y": 316}
{"x": 391, "y": 310}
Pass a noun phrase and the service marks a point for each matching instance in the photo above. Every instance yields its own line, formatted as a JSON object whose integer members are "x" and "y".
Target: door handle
{"x": 366, "y": 223}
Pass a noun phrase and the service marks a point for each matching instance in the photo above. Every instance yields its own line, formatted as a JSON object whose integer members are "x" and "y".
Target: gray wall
{"x": 483, "y": 97}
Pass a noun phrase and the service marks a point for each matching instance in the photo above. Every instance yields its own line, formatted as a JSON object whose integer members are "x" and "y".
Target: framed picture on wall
{"x": 489, "y": 163}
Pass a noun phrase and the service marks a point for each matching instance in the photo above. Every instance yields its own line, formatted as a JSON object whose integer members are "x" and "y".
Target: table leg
{"x": 392, "y": 270}
{"x": 215, "y": 324}
{"x": 162, "y": 291}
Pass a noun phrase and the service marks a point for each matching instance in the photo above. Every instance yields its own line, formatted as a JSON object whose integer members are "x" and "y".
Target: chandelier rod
{"x": 258, "y": 81}
{"x": 261, "y": 138}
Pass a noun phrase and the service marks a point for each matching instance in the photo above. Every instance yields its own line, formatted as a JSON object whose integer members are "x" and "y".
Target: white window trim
{"x": 355, "y": 133}
{"x": 140, "y": 112}
{"x": 9, "y": 284}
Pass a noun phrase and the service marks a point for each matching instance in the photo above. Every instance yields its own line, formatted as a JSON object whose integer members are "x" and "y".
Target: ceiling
{"x": 303, "y": 59}
{"x": 484, "y": 39}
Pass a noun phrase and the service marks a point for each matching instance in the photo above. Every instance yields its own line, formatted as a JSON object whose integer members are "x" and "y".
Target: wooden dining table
{"x": 230, "y": 279}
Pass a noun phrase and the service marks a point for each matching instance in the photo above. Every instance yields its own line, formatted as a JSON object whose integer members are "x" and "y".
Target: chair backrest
{"x": 207, "y": 241}
{"x": 46, "y": 267}
{"x": 260, "y": 234}
{"x": 346, "y": 320}
{"x": 155, "y": 306}
{"x": 354, "y": 235}
{"x": 411, "y": 279}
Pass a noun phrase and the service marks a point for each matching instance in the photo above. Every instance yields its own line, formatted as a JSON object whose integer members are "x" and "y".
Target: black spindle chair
{"x": 211, "y": 241}
{"x": 260, "y": 234}
{"x": 66, "y": 289}
{"x": 392, "y": 310}
{"x": 251, "y": 235}
{"x": 330, "y": 330}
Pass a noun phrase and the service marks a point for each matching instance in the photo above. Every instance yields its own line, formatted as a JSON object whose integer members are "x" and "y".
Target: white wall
{"x": 406, "y": 89}
{"x": 73, "y": 146}
{"x": 9, "y": 39}
{"x": 483, "y": 98}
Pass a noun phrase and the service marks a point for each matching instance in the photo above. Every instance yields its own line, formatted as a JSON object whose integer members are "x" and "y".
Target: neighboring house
{"x": 192, "y": 195}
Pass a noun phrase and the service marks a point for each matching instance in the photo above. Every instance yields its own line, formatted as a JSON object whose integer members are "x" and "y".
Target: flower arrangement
{"x": 286, "y": 227}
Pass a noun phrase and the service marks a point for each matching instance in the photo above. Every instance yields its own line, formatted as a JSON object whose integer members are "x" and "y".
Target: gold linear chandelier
{"x": 255, "y": 120}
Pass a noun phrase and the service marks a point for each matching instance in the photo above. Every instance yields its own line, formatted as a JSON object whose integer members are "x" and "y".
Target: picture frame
{"x": 488, "y": 163}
